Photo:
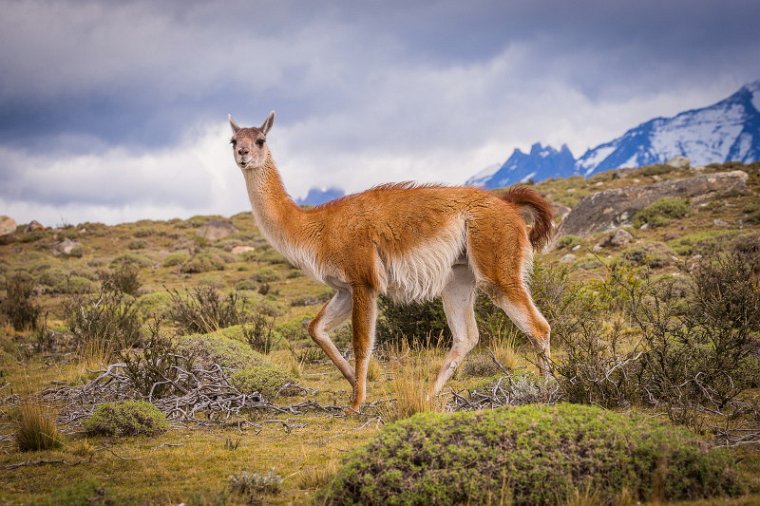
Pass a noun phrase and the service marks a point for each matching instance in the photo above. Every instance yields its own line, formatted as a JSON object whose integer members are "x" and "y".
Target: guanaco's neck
{"x": 278, "y": 217}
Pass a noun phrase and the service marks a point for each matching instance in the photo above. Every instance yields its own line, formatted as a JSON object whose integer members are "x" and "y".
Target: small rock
{"x": 576, "y": 247}
{"x": 567, "y": 258}
{"x": 618, "y": 238}
{"x": 33, "y": 226}
{"x": 679, "y": 162}
{"x": 597, "y": 247}
{"x": 68, "y": 247}
{"x": 720, "y": 223}
{"x": 7, "y": 225}
{"x": 644, "y": 226}
{"x": 239, "y": 250}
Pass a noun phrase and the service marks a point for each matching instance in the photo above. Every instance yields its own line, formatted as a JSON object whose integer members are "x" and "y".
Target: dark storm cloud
{"x": 369, "y": 89}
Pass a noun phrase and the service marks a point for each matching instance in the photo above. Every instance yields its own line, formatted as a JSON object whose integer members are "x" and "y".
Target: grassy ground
{"x": 192, "y": 464}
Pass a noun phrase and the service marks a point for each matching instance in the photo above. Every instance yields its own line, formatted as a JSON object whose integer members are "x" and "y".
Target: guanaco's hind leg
{"x": 458, "y": 301}
{"x": 515, "y": 300}
{"x": 363, "y": 319}
{"x": 335, "y": 312}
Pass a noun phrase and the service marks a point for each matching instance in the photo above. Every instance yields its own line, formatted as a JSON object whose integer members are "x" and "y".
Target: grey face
{"x": 249, "y": 145}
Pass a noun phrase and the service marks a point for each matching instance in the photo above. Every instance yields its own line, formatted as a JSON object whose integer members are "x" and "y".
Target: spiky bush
{"x": 530, "y": 455}
{"x": 124, "y": 278}
{"x": 18, "y": 306}
{"x": 126, "y": 418}
{"x": 204, "y": 309}
{"x": 105, "y": 323}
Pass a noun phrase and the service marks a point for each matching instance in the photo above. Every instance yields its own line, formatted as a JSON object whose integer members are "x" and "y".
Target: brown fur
{"x": 410, "y": 241}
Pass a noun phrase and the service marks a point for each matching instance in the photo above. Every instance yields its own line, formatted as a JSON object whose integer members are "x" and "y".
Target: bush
{"x": 126, "y": 418}
{"x": 131, "y": 259}
{"x": 205, "y": 310}
{"x": 568, "y": 241}
{"x": 202, "y": 262}
{"x": 104, "y": 324}
{"x": 75, "y": 285}
{"x": 154, "y": 371}
{"x": 260, "y": 334}
{"x": 18, "y": 307}
{"x": 530, "y": 455}
{"x": 174, "y": 259}
{"x": 36, "y": 429}
{"x": 122, "y": 279}
{"x": 662, "y": 212}
{"x": 417, "y": 321}
{"x": 217, "y": 349}
{"x": 254, "y": 484}
{"x": 265, "y": 379}
{"x": 266, "y": 275}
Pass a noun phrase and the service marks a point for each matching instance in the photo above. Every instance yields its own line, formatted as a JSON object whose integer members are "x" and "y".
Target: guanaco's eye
{"x": 260, "y": 142}
{"x": 233, "y": 141}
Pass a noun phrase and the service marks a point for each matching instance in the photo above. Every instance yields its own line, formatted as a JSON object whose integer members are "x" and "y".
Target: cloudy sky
{"x": 115, "y": 111}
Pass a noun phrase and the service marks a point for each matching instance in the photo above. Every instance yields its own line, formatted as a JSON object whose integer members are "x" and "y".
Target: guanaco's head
{"x": 249, "y": 145}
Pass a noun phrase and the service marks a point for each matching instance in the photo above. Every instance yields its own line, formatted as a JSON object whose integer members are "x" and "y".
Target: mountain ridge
{"x": 728, "y": 130}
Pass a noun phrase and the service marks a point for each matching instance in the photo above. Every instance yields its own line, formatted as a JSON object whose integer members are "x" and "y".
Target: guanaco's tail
{"x": 539, "y": 206}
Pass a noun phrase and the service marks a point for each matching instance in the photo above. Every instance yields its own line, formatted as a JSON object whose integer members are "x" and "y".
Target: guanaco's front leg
{"x": 363, "y": 319}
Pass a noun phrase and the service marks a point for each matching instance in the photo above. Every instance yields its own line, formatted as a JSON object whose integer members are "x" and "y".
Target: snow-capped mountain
{"x": 318, "y": 196}
{"x": 728, "y": 130}
{"x": 542, "y": 162}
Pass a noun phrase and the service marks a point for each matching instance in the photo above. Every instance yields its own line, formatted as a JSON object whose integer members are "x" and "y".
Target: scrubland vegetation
{"x": 154, "y": 365}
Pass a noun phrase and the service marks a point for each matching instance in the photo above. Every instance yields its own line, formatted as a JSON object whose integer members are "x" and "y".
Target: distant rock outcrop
{"x": 216, "y": 229}
{"x": 7, "y": 225}
{"x": 68, "y": 248}
{"x": 609, "y": 209}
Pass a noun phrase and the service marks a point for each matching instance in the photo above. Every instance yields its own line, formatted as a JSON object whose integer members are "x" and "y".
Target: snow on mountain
{"x": 318, "y": 196}
{"x": 728, "y": 130}
{"x": 540, "y": 163}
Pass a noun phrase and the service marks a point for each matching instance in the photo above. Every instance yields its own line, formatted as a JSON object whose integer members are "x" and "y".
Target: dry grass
{"x": 410, "y": 387}
{"x": 36, "y": 428}
{"x": 314, "y": 478}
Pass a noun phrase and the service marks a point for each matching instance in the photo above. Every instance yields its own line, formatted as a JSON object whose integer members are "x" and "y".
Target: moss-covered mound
{"x": 266, "y": 379}
{"x": 126, "y": 418}
{"x": 532, "y": 454}
{"x": 215, "y": 348}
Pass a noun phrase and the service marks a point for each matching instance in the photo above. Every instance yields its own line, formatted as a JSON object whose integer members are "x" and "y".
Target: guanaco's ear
{"x": 234, "y": 125}
{"x": 267, "y": 125}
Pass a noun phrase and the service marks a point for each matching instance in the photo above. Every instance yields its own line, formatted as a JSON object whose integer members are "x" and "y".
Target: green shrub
{"x": 205, "y": 310}
{"x": 215, "y": 348}
{"x": 75, "y": 285}
{"x": 122, "y": 279}
{"x": 36, "y": 429}
{"x": 154, "y": 303}
{"x": 266, "y": 275}
{"x": 103, "y": 324}
{"x": 131, "y": 258}
{"x": 174, "y": 259}
{"x": 530, "y": 455}
{"x": 568, "y": 241}
{"x": 126, "y": 418}
{"x": 417, "y": 321}
{"x": 137, "y": 244}
{"x": 202, "y": 262}
{"x": 662, "y": 212}
{"x": 18, "y": 306}
{"x": 265, "y": 379}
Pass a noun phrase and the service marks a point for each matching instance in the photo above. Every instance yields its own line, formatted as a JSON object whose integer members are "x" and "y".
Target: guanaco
{"x": 408, "y": 241}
